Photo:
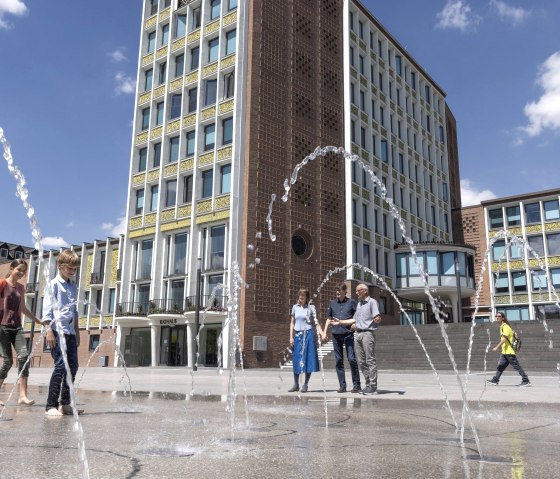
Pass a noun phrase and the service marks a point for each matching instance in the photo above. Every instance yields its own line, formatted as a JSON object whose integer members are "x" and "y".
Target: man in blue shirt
{"x": 343, "y": 336}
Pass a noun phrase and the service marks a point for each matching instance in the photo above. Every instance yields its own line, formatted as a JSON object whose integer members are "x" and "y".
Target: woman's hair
{"x": 503, "y": 315}
{"x": 68, "y": 257}
{"x": 15, "y": 263}
{"x": 305, "y": 292}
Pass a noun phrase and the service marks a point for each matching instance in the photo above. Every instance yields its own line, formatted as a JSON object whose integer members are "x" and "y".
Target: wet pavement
{"x": 177, "y": 425}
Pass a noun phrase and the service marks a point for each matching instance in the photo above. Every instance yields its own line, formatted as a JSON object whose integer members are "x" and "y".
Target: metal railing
{"x": 171, "y": 306}
{"x": 31, "y": 287}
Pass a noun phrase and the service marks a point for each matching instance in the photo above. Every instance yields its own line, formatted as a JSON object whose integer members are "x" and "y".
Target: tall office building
{"x": 232, "y": 94}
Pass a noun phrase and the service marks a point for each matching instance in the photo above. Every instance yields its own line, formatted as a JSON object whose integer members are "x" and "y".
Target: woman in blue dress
{"x": 302, "y": 340}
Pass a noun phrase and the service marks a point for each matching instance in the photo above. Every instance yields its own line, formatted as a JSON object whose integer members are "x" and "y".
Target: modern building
{"x": 231, "y": 95}
{"x": 508, "y": 232}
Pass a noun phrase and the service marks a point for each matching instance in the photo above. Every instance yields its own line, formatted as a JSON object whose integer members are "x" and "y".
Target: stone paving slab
{"x": 164, "y": 431}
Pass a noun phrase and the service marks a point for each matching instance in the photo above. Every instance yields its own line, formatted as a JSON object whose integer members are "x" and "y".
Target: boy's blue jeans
{"x": 58, "y": 378}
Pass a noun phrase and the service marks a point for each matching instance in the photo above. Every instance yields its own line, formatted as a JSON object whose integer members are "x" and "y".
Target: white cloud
{"x": 470, "y": 195}
{"x": 11, "y": 7}
{"x": 125, "y": 84}
{"x": 54, "y": 242}
{"x": 545, "y": 112}
{"x": 117, "y": 55}
{"x": 457, "y": 14}
{"x": 70, "y": 224}
{"x": 508, "y": 13}
{"x": 115, "y": 229}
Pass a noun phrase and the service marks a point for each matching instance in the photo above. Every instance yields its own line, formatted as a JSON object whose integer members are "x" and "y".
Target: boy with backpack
{"x": 508, "y": 356}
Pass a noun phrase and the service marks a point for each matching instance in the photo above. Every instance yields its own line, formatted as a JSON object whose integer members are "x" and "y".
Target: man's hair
{"x": 68, "y": 258}
{"x": 341, "y": 287}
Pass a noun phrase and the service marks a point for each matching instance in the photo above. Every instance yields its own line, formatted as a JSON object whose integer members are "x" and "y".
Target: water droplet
{"x": 258, "y": 235}
{"x": 250, "y": 247}
{"x": 251, "y": 265}
{"x": 257, "y": 261}
{"x": 272, "y": 238}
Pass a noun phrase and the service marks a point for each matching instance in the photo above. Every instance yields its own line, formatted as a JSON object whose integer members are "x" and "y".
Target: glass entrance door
{"x": 173, "y": 346}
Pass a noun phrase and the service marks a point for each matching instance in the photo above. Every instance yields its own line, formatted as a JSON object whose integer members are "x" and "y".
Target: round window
{"x": 302, "y": 244}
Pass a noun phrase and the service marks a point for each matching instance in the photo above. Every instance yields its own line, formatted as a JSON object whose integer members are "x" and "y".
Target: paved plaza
{"x": 176, "y": 424}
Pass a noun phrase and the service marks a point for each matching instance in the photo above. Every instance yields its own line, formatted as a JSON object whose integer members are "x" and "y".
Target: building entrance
{"x": 137, "y": 350}
{"x": 173, "y": 346}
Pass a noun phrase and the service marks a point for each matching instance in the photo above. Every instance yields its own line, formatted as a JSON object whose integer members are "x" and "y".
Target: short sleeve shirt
{"x": 341, "y": 310}
{"x": 507, "y": 332}
{"x": 11, "y": 300}
{"x": 304, "y": 316}
{"x": 365, "y": 312}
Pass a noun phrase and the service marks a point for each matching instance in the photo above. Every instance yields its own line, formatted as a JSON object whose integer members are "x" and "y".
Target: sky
{"x": 67, "y": 84}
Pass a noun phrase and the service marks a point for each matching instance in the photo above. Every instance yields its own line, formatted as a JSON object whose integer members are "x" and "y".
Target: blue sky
{"x": 67, "y": 100}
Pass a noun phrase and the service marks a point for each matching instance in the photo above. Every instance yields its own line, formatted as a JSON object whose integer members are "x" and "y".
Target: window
{"x": 187, "y": 189}
{"x": 180, "y": 254}
{"x": 181, "y": 26}
{"x": 513, "y": 215}
{"x": 179, "y": 65}
{"x": 210, "y": 92}
{"x": 445, "y": 192}
{"x": 177, "y": 294}
{"x": 364, "y": 216}
{"x": 433, "y": 208}
{"x": 413, "y": 80}
{"x": 145, "y": 118}
{"x": 176, "y": 101}
{"x": 230, "y": 41}
{"x": 154, "y": 198}
{"x": 214, "y": 9}
{"x": 165, "y": 34}
{"x": 361, "y": 29}
{"x": 225, "y": 183}
{"x": 380, "y": 48}
{"x": 502, "y": 283}
{"x": 441, "y": 135}
{"x": 151, "y": 42}
{"x": 142, "y": 159}
{"x": 190, "y": 137}
{"x": 519, "y": 280}
{"x": 146, "y": 260}
{"x": 153, "y": 7}
{"x": 162, "y": 75}
{"x": 539, "y": 280}
{"x": 93, "y": 342}
{"x": 170, "y": 193}
{"x": 532, "y": 213}
{"x": 496, "y": 218}
{"x": 553, "y": 244}
{"x": 427, "y": 93}
{"x": 537, "y": 245}
{"x": 159, "y": 113}
{"x": 229, "y": 85}
{"x": 192, "y": 96}
{"x": 174, "y": 149}
{"x": 398, "y": 64}
{"x": 555, "y": 277}
{"x": 361, "y": 64}
{"x": 232, "y": 4}
{"x": 551, "y": 211}
{"x": 362, "y": 137}
{"x": 366, "y": 261}
{"x": 139, "y": 201}
{"x": 515, "y": 251}
{"x": 351, "y": 20}
{"x": 213, "y": 49}
{"x": 209, "y": 137}
{"x": 207, "y": 181}
{"x": 362, "y": 101}
{"x": 148, "y": 79}
{"x": 196, "y": 20}
{"x": 354, "y": 212}
{"x": 112, "y": 300}
{"x": 195, "y": 56}
{"x": 217, "y": 247}
{"x": 351, "y": 55}
{"x": 157, "y": 154}
{"x": 384, "y": 152}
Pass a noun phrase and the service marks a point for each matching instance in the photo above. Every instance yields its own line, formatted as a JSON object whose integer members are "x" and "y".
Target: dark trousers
{"x": 339, "y": 342}
{"x": 58, "y": 378}
{"x": 505, "y": 360}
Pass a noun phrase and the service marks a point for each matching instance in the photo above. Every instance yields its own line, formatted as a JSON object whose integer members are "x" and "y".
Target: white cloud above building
{"x": 11, "y": 7}
{"x": 457, "y": 15}
{"x": 54, "y": 242}
{"x": 508, "y": 13}
{"x": 471, "y": 195}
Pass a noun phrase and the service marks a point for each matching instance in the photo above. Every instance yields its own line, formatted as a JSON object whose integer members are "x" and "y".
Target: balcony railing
{"x": 31, "y": 288}
{"x": 119, "y": 274}
{"x": 171, "y": 306}
{"x": 96, "y": 278}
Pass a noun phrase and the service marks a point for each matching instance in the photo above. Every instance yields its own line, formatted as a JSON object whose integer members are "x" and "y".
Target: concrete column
{"x": 155, "y": 345}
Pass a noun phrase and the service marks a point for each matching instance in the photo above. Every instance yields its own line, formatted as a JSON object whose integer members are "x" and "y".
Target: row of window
{"x": 173, "y": 147}
{"x": 536, "y": 243}
{"x": 186, "y": 192}
{"x": 213, "y": 249}
{"x": 516, "y": 281}
{"x": 213, "y": 11}
{"x": 533, "y": 213}
{"x": 175, "y": 102}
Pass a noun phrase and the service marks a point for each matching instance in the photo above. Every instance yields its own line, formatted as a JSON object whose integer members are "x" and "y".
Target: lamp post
{"x": 197, "y": 311}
